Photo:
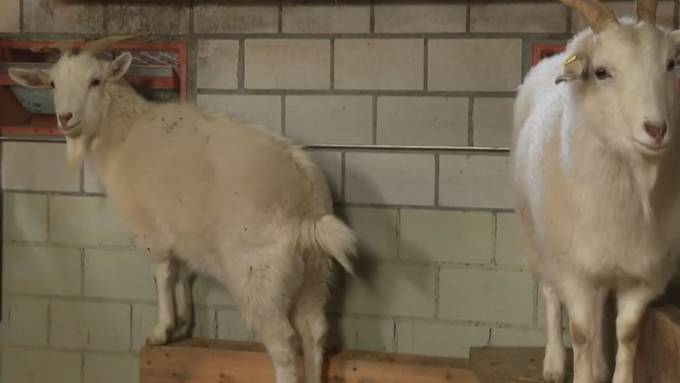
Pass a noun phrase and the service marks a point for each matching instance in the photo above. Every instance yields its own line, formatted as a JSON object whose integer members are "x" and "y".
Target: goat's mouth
{"x": 651, "y": 149}
{"x": 71, "y": 131}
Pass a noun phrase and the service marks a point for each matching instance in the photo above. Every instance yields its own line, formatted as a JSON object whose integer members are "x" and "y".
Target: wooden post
{"x": 208, "y": 361}
{"x": 658, "y": 354}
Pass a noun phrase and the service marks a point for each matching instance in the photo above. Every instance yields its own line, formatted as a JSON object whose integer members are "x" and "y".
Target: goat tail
{"x": 332, "y": 237}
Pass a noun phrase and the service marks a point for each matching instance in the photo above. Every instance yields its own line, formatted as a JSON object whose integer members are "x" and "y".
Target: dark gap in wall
{"x": 436, "y": 180}
{"x": 371, "y": 19}
{"x": 21, "y": 15}
{"x": 470, "y": 126}
{"x": 342, "y": 176}
{"x": 374, "y": 122}
{"x": 332, "y": 62}
{"x": 425, "y": 63}
{"x": 280, "y": 17}
{"x": 283, "y": 114}
{"x": 241, "y": 66}
{"x": 468, "y": 11}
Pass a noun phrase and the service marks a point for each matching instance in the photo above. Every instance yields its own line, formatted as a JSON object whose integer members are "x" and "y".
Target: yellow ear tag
{"x": 569, "y": 60}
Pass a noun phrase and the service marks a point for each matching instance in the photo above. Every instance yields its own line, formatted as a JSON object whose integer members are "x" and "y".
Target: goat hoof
{"x": 181, "y": 330}
{"x": 554, "y": 370}
{"x": 160, "y": 335}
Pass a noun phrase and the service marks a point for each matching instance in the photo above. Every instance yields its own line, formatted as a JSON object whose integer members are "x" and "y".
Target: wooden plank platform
{"x": 210, "y": 361}
{"x": 658, "y": 357}
{"x": 508, "y": 364}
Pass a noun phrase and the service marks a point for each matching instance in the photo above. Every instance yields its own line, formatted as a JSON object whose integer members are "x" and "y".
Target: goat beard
{"x": 645, "y": 173}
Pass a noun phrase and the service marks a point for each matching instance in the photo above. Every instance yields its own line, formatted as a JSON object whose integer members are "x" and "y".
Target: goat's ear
{"x": 574, "y": 67}
{"x": 120, "y": 66}
{"x": 30, "y": 78}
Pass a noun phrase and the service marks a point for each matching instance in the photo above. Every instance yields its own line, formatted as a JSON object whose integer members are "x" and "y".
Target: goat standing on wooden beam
{"x": 596, "y": 163}
{"x": 210, "y": 195}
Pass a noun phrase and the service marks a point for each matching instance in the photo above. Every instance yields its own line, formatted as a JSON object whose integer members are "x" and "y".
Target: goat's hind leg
{"x": 183, "y": 303}
{"x": 265, "y": 300}
{"x": 310, "y": 321}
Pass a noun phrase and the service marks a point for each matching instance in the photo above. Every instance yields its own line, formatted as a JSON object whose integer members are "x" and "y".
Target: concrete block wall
{"x": 441, "y": 255}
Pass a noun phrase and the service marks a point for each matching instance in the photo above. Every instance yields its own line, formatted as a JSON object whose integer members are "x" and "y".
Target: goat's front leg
{"x": 165, "y": 276}
{"x": 183, "y": 303}
{"x": 554, "y": 362}
{"x": 631, "y": 305}
{"x": 581, "y": 299}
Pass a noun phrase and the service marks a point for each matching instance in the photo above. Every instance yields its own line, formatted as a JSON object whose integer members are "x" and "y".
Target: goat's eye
{"x": 671, "y": 65}
{"x": 95, "y": 82}
{"x": 602, "y": 73}
{"x": 52, "y": 84}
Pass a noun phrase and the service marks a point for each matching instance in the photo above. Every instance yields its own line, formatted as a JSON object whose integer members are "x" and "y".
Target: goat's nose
{"x": 657, "y": 132}
{"x": 65, "y": 118}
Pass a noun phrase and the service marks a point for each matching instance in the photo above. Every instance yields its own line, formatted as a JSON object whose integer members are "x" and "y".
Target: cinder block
{"x": 439, "y": 339}
{"x": 90, "y": 325}
{"x": 422, "y": 121}
{"x": 231, "y": 326}
{"x": 517, "y": 337}
{"x": 171, "y": 18}
{"x": 393, "y": 289}
{"x": 10, "y": 15}
{"x": 85, "y": 220}
{"x": 104, "y": 368}
{"x": 446, "y": 236}
{"x": 287, "y": 64}
{"x": 665, "y": 13}
{"x": 366, "y": 333}
{"x": 323, "y": 18}
{"x": 39, "y": 366}
{"x": 475, "y": 181}
{"x": 510, "y": 246}
{"x": 91, "y": 181}
{"x": 376, "y": 229}
{"x": 37, "y": 166}
{"x": 213, "y": 18}
{"x": 24, "y": 217}
{"x": 262, "y": 110}
{"x": 420, "y": 18}
{"x": 486, "y": 295}
{"x": 144, "y": 318}
{"x": 41, "y": 270}
{"x": 390, "y": 64}
{"x": 522, "y": 17}
{"x": 53, "y": 16}
{"x": 217, "y": 64}
{"x": 329, "y": 119}
{"x": 103, "y": 271}
{"x": 208, "y": 292}
{"x": 331, "y": 166}
{"x": 492, "y": 119}
{"x": 25, "y": 321}
{"x": 389, "y": 178}
{"x": 472, "y": 64}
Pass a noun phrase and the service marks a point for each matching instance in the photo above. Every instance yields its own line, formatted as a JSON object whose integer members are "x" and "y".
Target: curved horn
{"x": 597, "y": 15}
{"x": 97, "y": 46}
{"x": 646, "y": 11}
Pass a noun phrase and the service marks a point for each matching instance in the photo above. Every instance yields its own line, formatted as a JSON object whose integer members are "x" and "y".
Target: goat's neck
{"x": 598, "y": 168}
{"x": 126, "y": 107}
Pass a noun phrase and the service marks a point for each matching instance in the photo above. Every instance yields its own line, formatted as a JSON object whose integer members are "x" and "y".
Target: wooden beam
{"x": 209, "y": 361}
{"x": 658, "y": 356}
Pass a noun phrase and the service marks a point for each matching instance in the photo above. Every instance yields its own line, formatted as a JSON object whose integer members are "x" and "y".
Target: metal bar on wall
{"x": 480, "y": 149}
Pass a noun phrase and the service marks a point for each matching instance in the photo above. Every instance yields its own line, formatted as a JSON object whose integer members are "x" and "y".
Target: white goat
{"x": 597, "y": 182}
{"x": 209, "y": 195}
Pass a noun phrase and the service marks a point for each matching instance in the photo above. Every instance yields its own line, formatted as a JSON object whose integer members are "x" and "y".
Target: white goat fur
{"x": 209, "y": 195}
{"x": 600, "y": 211}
